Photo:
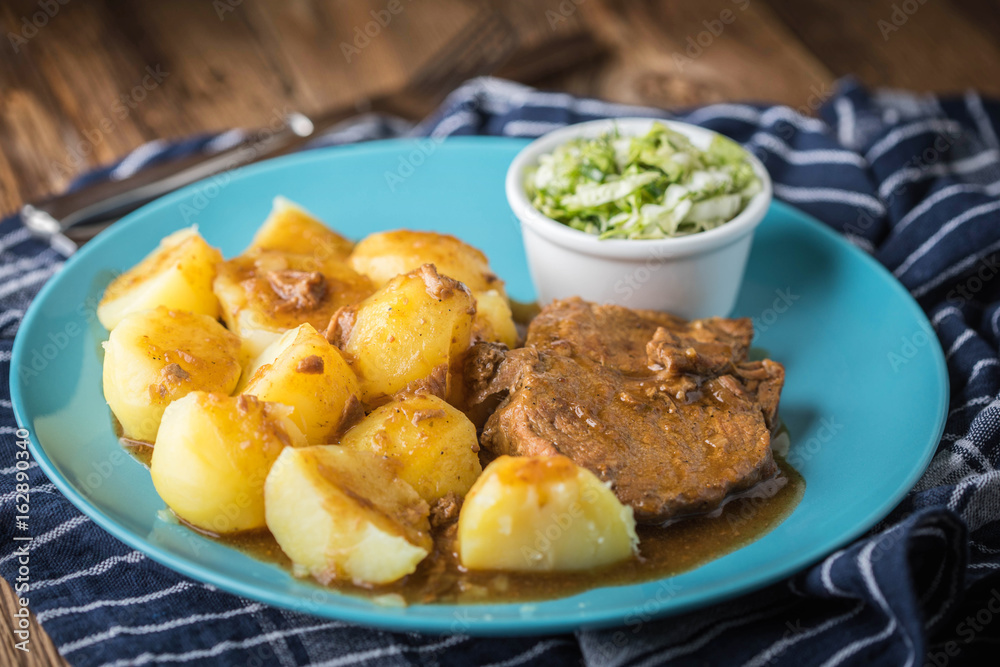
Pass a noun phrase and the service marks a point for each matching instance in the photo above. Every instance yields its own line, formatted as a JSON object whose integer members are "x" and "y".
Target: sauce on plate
{"x": 664, "y": 551}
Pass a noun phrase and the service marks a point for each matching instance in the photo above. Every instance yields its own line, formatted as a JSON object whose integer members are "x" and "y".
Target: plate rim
{"x": 375, "y": 616}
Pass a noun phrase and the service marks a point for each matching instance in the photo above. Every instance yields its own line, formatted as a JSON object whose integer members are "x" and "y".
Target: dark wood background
{"x": 231, "y": 63}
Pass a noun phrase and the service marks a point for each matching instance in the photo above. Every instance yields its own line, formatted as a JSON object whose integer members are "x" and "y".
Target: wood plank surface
{"x": 100, "y": 78}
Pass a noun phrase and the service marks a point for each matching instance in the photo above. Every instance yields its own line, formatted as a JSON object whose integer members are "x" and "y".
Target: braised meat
{"x": 669, "y": 412}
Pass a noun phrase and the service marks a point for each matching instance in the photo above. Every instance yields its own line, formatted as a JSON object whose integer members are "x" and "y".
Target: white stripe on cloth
{"x": 137, "y": 159}
{"x": 900, "y": 134}
{"x": 453, "y": 123}
{"x": 985, "y": 549}
{"x": 980, "y": 365}
{"x": 974, "y": 104}
{"x": 532, "y": 653}
{"x": 943, "y": 313}
{"x": 942, "y": 194}
{"x": 25, "y": 263}
{"x": 861, "y": 242}
{"x": 864, "y": 561}
{"x": 29, "y": 279}
{"x": 752, "y": 116}
{"x": 967, "y": 445}
{"x": 491, "y": 96}
{"x": 219, "y": 648}
{"x": 8, "y": 316}
{"x": 374, "y": 654}
{"x": 44, "y": 488}
{"x": 946, "y": 467}
{"x": 525, "y": 96}
{"x": 946, "y": 229}
{"x": 131, "y": 558}
{"x": 545, "y": 98}
{"x": 12, "y": 469}
{"x": 959, "y": 491}
{"x": 53, "y": 534}
{"x": 956, "y": 269}
{"x": 795, "y": 193}
{"x": 772, "y": 115}
{"x": 906, "y": 175}
{"x": 118, "y": 630}
{"x": 49, "y": 614}
{"x": 978, "y": 400}
{"x": 530, "y": 128}
{"x": 225, "y": 141}
{"x": 980, "y": 507}
{"x": 593, "y": 107}
{"x": 356, "y": 130}
{"x": 717, "y": 629}
{"x": 14, "y": 238}
{"x": 779, "y": 647}
{"x": 817, "y": 156}
{"x": 846, "y": 122}
{"x": 827, "y": 579}
{"x": 986, "y": 566}
{"x": 959, "y": 342}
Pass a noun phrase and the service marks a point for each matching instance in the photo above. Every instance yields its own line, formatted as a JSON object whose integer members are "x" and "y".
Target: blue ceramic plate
{"x": 865, "y": 398}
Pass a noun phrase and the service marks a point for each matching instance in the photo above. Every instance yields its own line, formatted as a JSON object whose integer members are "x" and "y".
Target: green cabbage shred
{"x": 651, "y": 187}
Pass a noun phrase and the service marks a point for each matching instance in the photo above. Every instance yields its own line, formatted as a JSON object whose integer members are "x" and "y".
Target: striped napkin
{"x": 913, "y": 180}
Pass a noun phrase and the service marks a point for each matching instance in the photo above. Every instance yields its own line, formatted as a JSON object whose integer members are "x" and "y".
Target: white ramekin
{"x": 691, "y": 276}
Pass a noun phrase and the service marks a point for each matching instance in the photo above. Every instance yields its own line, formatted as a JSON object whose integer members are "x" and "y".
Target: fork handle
{"x": 111, "y": 199}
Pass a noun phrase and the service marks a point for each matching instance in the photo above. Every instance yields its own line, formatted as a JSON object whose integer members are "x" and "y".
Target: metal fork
{"x": 70, "y": 219}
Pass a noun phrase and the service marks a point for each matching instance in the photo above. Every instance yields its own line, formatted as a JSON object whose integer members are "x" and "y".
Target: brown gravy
{"x": 664, "y": 552}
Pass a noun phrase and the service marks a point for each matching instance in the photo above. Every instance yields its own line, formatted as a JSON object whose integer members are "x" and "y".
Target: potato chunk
{"x": 385, "y": 255}
{"x": 435, "y": 444}
{"x": 542, "y": 513}
{"x": 302, "y": 370}
{"x": 291, "y": 229}
{"x": 343, "y": 514}
{"x": 494, "y": 320}
{"x": 414, "y": 325}
{"x": 213, "y": 455}
{"x": 265, "y": 293}
{"x": 177, "y": 275}
{"x": 154, "y": 357}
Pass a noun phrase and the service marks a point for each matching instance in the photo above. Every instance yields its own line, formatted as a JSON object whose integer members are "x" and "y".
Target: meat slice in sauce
{"x": 670, "y": 413}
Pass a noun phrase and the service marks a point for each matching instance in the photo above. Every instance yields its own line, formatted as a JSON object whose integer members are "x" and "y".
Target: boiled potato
{"x": 178, "y": 275}
{"x": 494, "y": 321}
{"x": 302, "y": 370}
{"x": 212, "y": 457}
{"x": 343, "y": 514}
{"x": 416, "y": 323}
{"x": 384, "y": 255}
{"x": 542, "y": 513}
{"x": 292, "y": 229}
{"x": 265, "y": 293}
{"x": 435, "y": 444}
{"x": 154, "y": 357}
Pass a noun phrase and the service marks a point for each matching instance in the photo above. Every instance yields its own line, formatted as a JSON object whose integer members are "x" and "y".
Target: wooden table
{"x": 69, "y": 98}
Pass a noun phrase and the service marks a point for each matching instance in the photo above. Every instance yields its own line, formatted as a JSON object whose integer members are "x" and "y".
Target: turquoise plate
{"x": 865, "y": 398}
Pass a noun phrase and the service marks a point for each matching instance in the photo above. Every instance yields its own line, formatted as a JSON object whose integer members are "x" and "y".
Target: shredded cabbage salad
{"x": 651, "y": 187}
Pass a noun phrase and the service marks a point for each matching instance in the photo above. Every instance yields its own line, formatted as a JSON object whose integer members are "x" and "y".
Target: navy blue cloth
{"x": 912, "y": 180}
